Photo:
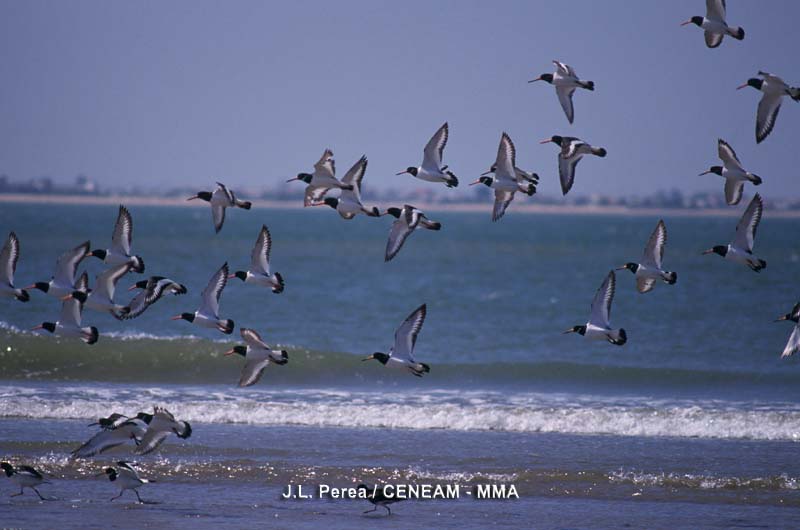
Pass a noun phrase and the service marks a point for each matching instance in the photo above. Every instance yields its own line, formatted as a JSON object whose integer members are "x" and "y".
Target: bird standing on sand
{"x": 126, "y": 478}
{"x": 152, "y": 289}
{"x": 649, "y": 270}
{"x": 8, "y": 266}
{"x": 258, "y": 355}
{"x": 401, "y": 354}
{"x": 774, "y": 88}
{"x": 160, "y": 424}
{"x": 431, "y": 169}
{"x": 714, "y": 24}
{"x": 259, "y": 274}
{"x": 377, "y": 496}
{"x": 734, "y": 174}
{"x": 69, "y": 322}
{"x": 24, "y": 477}
{"x": 120, "y": 251}
{"x": 207, "y": 315}
{"x": 348, "y": 204}
{"x": 572, "y": 150}
{"x": 322, "y": 180}
{"x": 741, "y": 249}
{"x": 507, "y": 178}
{"x": 63, "y": 281}
{"x": 220, "y": 199}
{"x": 794, "y": 339}
{"x": 409, "y": 219}
{"x": 566, "y": 81}
{"x": 599, "y": 325}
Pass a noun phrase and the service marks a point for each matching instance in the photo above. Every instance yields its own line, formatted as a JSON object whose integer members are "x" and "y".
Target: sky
{"x": 182, "y": 93}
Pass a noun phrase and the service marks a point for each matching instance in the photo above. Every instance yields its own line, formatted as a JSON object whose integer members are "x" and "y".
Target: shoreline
{"x": 465, "y": 207}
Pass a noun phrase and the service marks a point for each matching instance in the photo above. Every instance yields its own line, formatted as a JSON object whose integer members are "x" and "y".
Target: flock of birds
{"x": 148, "y": 431}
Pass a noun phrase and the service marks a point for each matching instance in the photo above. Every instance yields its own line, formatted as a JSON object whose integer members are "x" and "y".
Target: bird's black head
{"x": 580, "y": 330}
{"x": 49, "y": 326}
{"x": 305, "y": 177}
{"x": 717, "y": 170}
{"x": 142, "y": 284}
{"x": 111, "y": 472}
{"x": 333, "y": 202}
{"x": 556, "y": 139}
{"x": 185, "y": 316}
{"x": 242, "y": 275}
{"x": 378, "y": 356}
{"x": 722, "y": 250}
{"x": 80, "y": 296}
{"x": 633, "y": 267}
{"x": 204, "y": 195}
{"x": 547, "y": 77}
{"x": 98, "y": 253}
{"x": 241, "y": 350}
{"x": 754, "y": 82}
{"x": 394, "y": 212}
{"x": 42, "y": 286}
{"x": 486, "y": 181}
{"x": 697, "y": 21}
{"x": 8, "y": 468}
{"x": 145, "y": 417}
{"x": 412, "y": 170}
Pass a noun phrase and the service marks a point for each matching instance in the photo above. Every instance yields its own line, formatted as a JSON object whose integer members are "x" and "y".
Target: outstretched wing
{"x": 715, "y": 10}
{"x": 8, "y": 259}
{"x": 434, "y": 150}
{"x": 565, "y": 98}
{"x": 601, "y": 305}
{"x": 212, "y": 292}
{"x": 564, "y": 69}
{"x": 259, "y": 257}
{"x": 253, "y": 339}
{"x": 314, "y": 194}
{"x": 252, "y": 371}
{"x": 123, "y": 232}
{"x": 733, "y": 191}
{"x": 106, "y": 282}
{"x": 405, "y": 338}
{"x": 654, "y": 251}
{"x": 767, "y": 113}
{"x": 354, "y": 176}
{"x": 501, "y": 201}
{"x": 793, "y": 344}
{"x": 326, "y": 166}
{"x": 67, "y": 264}
{"x": 397, "y": 236}
{"x": 566, "y": 172}
{"x": 748, "y": 224}
{"x": 728, "y": 155}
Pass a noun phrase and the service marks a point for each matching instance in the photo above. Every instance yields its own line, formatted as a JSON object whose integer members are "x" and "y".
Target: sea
{"x": 693, "y": 423}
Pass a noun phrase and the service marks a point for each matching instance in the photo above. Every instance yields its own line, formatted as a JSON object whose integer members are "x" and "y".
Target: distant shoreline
{"x": 516, "y": 207}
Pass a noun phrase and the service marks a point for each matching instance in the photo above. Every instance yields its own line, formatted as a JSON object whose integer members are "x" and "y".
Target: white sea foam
{"x": 446, "y": 410}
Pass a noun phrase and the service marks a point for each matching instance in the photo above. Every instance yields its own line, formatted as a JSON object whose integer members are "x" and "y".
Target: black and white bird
{"x": 431, "y": 169}
{"x": 152, "y": 289}
{"x": 207, "y": 315}
{"x": 259, "y": 273}
{"x": 120, "y": 251}
{"x": 714, "y": 25}
{"x": 774, "y": 88}
{"x": 409, "y": 218}
{"x": 732, "y": 171}
{"x": 63, "y": 281}
{"x": 572, "y": 150}
{"x": 794, "y": 339}
{"x": 599, "y": 325}
{"x": 378, "y": 497}
{"x": 741, "y": 249}
{"x": 113, "y": 421}
{"x": 160, "y": 424}
{"x": 648, "y": 271}
{"x": 8, "y": 266}
{"x": 221, "y": 199}
{"x": 401, "y": 354}
{"x": 113, "y": 435}
{"x": 348, "y": 204}
{"x": 125, "y": 477}
{"x": 508, "y": 179}
{"x": 101, "y": 298}
{"x": 322, "y": 180}
{"x": 258, "y": 355}
{"x": 69, "y": 322}
{"x": 566, "y": 81}
{"x": 24, "y": 477}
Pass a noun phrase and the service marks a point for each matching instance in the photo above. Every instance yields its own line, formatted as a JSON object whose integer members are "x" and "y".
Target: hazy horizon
{"x": 182, "y": 93}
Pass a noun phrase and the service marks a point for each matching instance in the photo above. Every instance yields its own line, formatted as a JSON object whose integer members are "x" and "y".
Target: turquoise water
{"x": 700, "y": 374}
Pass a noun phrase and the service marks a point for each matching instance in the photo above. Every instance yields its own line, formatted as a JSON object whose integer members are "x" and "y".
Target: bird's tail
{"x": 284, "y": 357}
{"x": 736, "y": 32}
{"x": 181, "y": 289}
{"x": 588, "y": 85}
{"x": 755, "y": 179}
{"x": 620, "y": 339}
{"x": 346, "y": 186}
{"x": 374, "y": 212}
{"x": 794, "y": 93}
{"x": 599, "y": 151}
{"x": 22, "y": 295}
{"x": 671, "y": 277}
{"x": 186, "y": 431}
{"x": 761, "y": 264}
{"x": 246, "y": 205}
{"x": 229, "y": 325}
{"x": 281, "y": 284}
{"x": 433, "y": 225}
{"x": 138, "y": 264}
{"x": 93, "y": 335}
{"x": 452, "y": 181}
